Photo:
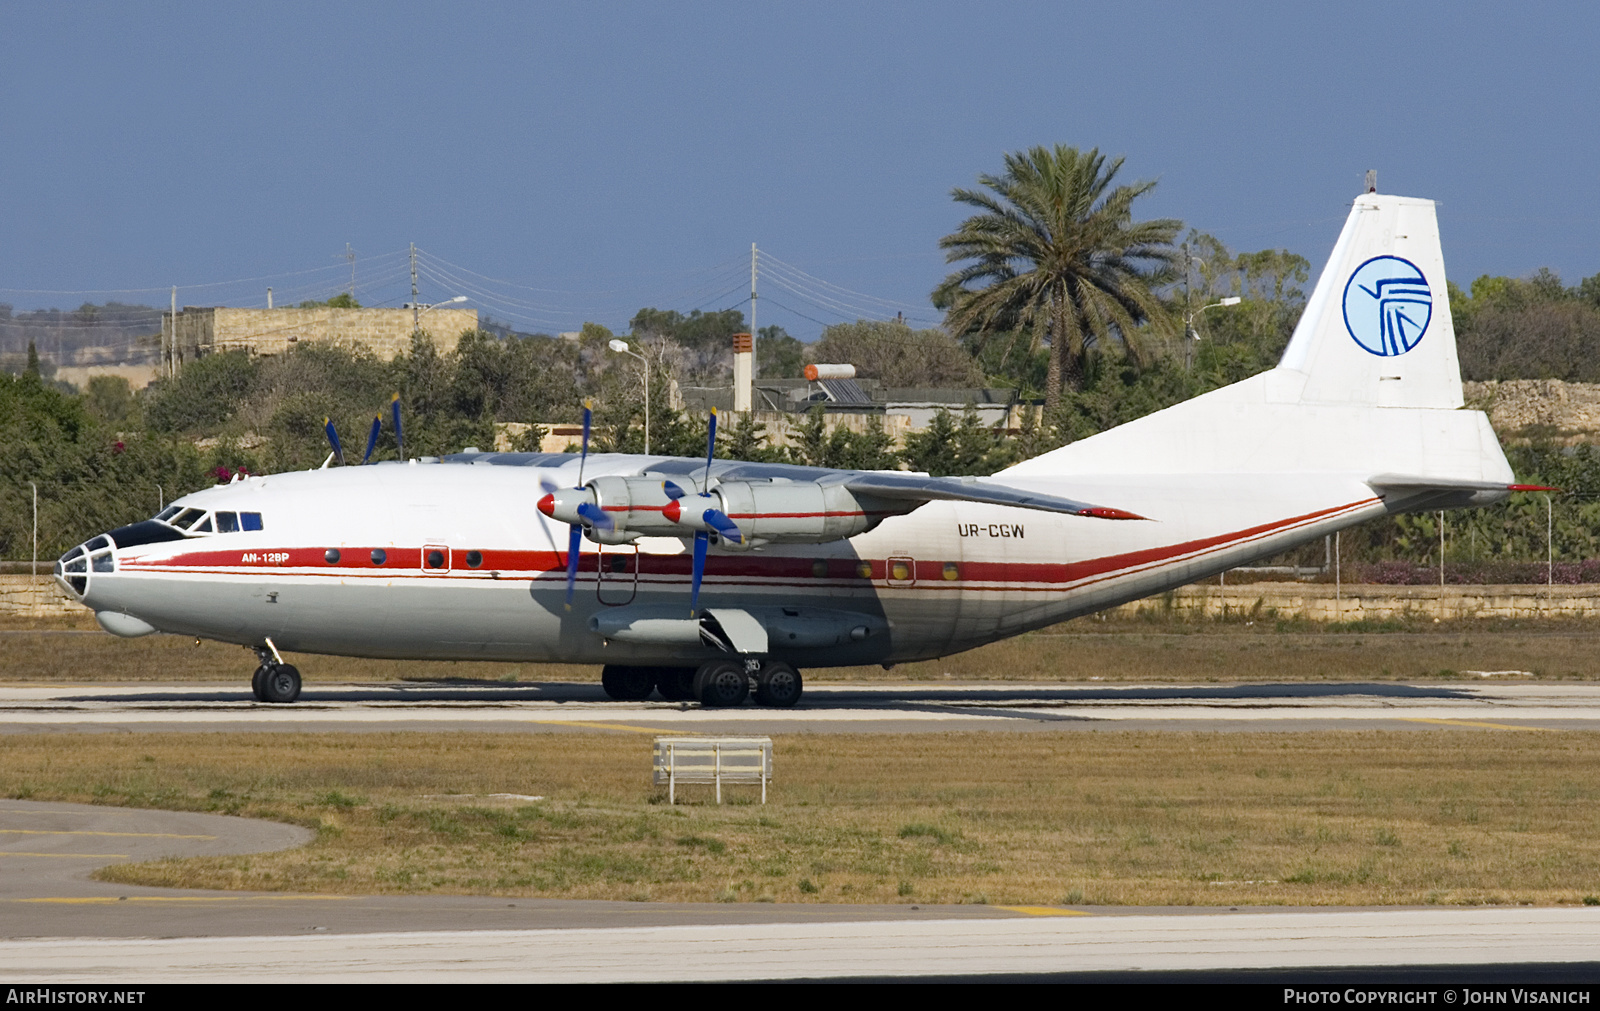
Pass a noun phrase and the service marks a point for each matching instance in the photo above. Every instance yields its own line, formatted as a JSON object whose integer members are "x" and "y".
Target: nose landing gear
{"x": 274, "y": 680}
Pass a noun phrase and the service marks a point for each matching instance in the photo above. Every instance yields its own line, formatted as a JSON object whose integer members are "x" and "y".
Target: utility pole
{"x": 416, "y": 314}
{"x": 350, "y": 254}
{"x": 172, "y": 348}
{"x": 754, "y": 333}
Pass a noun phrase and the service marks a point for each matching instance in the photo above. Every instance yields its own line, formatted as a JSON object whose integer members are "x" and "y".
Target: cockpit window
{"x": 198, "y": 521}
{"x": 168, "y": 513}
{"x": 187, "y": 518}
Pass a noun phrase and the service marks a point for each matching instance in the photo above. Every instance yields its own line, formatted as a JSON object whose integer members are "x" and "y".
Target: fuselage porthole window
{"x": 331, "y": 556}
{"x": 250, "y": 521}
{"x": 436, "y": 559}
{"x": 227, "y": 523}
{"x": 474, "y": 559}
{"x": 379, "y": 556}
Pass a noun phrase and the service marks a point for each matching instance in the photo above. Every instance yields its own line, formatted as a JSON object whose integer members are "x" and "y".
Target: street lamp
{"x": 417, "y": 310}
{"x": 621, "y": 347}
{"x": 1189, "y": 333}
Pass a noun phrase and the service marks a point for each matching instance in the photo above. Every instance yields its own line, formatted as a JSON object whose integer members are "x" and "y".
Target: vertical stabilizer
{"x": 1377, "y": 329}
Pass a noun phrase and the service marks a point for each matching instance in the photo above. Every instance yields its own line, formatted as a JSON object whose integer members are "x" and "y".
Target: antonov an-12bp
{"x": 708, "y": 580}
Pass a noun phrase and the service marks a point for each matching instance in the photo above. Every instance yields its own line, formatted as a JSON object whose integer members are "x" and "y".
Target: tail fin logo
{"x": 1387, "y": 305}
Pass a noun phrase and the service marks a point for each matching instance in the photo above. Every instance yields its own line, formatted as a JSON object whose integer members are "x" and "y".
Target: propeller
{"x": 710, "y": 518}
{"x": 587, "y": 511}
{"x": 372, "y": 438}
{"x": 372, "y": 435}
{"x": 399, "y": 440}
{"x": 333, "y": 440}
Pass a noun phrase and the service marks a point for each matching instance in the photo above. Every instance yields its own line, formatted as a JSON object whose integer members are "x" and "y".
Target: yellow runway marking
{"x": 599, "y": 726}
{"x": 1476, "y": 723}
{"x": 109, "y": 900}
{"x": 79, "y": 856}
{"x": 133, "y": 835}
{"x": 1043, "y": 911}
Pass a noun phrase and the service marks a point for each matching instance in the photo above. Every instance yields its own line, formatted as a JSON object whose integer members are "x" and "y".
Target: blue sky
{"x": 592, "y": 161}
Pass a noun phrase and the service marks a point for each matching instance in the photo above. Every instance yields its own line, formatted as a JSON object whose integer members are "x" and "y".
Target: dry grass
{"x": 1133, "y": 651}
{"x": 1443, "y": 816}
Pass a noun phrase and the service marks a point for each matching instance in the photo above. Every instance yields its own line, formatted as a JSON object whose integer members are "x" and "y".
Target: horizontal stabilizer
{"x": 906, "y": 487}
{"x": 1411, "y": 485}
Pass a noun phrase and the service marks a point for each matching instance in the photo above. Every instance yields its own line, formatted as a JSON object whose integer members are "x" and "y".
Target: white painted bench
{"x": 715, "y": 760}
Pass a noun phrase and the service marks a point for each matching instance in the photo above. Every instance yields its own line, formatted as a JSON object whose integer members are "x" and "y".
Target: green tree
{"x": 1055, "y": 252}
{"x": 898, "y": 356}
{"x": 205, "y": 395}
{"x": 778, "y": 356}
{"x": 109, "y": 400}
{"x": 746, "y": 439}
{"x": 947, "y": 447}
{"x": 343, "y": 300}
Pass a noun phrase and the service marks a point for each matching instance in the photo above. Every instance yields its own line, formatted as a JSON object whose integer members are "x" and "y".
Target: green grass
{"x": 1460, "y": 816}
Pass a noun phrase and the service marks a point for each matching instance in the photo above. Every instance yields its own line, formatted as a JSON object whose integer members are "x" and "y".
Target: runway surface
{"x": 877, "y": 708}
{"x": 57, "y": 925}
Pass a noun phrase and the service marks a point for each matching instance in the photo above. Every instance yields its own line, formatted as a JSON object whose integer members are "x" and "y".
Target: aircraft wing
{"x": 916, "y": 488}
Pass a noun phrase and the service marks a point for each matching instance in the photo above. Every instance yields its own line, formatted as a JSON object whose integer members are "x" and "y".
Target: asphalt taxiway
{"x": 57, "y": 924}
{"x": 826, "y": 708}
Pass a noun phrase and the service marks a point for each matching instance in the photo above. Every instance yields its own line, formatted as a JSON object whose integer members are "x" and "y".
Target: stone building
{"x": 201, "y": 330}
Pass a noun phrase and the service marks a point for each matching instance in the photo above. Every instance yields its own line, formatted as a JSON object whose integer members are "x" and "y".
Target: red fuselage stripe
{"x": 356, "y": 562}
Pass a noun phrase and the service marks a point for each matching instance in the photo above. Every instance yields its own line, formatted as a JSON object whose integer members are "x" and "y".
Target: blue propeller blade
{"x": 593, "y": 513}
{"x": 372, "y": 437}
{"x": 700, "y": 541}
{"x": 718, "y": 520}
{"x": 672, "y": 490}
{"x": 333, "y": 440}
{"x": 711, "y": 445}
{"x": 596, "y": 516}
{"x": 588, "y": 417}
{"x": 399, "y": 440}
{"x": 573, "y": 543}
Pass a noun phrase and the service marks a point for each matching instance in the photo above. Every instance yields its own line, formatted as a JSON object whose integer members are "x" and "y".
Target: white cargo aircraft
{"x": 558, "y": 557}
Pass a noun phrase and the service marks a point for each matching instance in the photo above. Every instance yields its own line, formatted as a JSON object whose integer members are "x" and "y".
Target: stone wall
{"x": 1323, "y": 602}
{"x": 1569, "y": 412}
{"x": 386, "y": 332}
{"x": 34, "y": 597}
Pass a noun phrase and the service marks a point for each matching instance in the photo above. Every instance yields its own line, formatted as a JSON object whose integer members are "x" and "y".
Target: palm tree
{"x": 1056, "y": 253}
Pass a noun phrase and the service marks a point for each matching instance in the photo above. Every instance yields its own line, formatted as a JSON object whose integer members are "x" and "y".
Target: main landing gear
{"x": 716, "y": 683}
{"x": 274, "y": 680}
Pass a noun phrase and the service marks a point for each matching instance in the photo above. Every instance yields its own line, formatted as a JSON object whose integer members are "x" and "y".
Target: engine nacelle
{"x": 793, "y": 512}
{"x": 765, "y": 511}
